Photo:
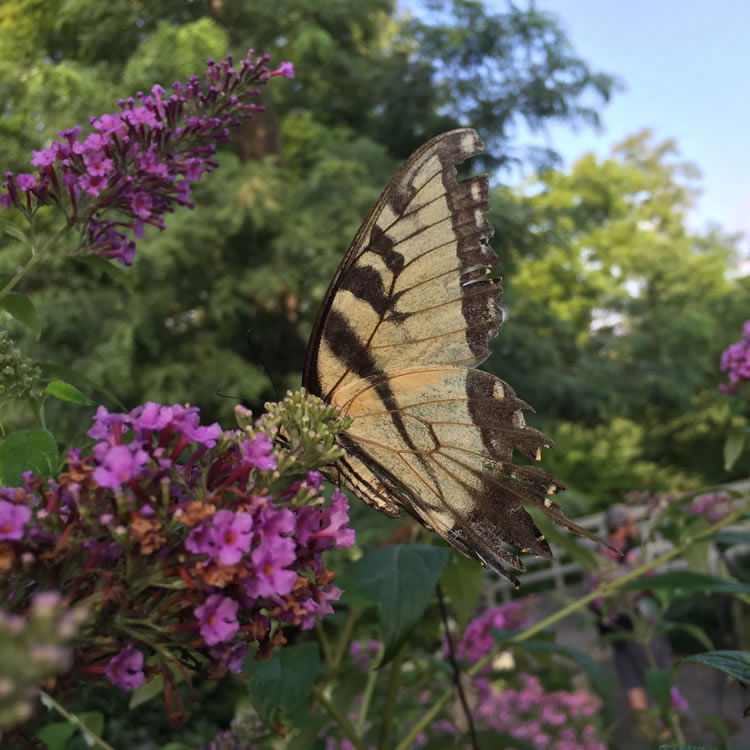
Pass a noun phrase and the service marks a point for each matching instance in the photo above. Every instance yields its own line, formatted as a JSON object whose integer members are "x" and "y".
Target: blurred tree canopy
{"x": 609, "y": 297}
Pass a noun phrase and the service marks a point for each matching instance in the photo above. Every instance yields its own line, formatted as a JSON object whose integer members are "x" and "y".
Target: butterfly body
{"x": 405, "y": 322}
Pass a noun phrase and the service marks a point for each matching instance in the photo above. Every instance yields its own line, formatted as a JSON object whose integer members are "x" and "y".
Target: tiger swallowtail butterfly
{"x": 403, "y": 326}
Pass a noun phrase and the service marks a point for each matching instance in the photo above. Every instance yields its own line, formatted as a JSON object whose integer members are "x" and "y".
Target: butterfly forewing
{"x": 405, "y": 321}
{"x": 412, "y": 289}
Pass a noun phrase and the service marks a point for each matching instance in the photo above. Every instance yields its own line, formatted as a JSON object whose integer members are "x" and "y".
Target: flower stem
{"x": 605, "y": 589}
{"x": 343, "y": 642}
{"x": 339, "y": 717}
{"x": 394, "y": 678}
{"x": 372, "y": 678}
{"x": 91, "y": 738}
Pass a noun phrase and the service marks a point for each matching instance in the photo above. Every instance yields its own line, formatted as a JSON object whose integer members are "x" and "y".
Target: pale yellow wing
{"x": 413, "y": 288}
{"x": 443, "y": 451}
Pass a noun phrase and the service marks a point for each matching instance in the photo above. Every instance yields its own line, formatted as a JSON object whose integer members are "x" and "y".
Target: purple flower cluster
{"x": 140, "y": 163}
{"x": 363, "y": 653}
{"x": 735, "y": 361}
{"x": 221, "y": 560}
{"x": 479, "y": 639}
{"x": 713, "y": 506}
{"x": 556, "y": 720}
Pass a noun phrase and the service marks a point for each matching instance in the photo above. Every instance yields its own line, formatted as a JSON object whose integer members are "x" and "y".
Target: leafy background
{"x": 607, "y": 289}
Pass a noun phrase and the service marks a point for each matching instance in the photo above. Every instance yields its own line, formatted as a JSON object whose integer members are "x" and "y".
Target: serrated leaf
{"x": 462, "y": 581}
{"x": 689, "y": 747}
{"x": 22, "y": 309}
{"x": 67, "y": 392}
{"x": 733, "y": 446}
{"x": 689, "y": 581}
{"x": 27, "y": 450}
{"x": 109, "y": 267}
{"x": 401, "y": 580}
{"x": 283, "y": 682}
{"x": 658, "y": 686}
{"x": 734, "y": 663}
{"x": 147, "y": 691}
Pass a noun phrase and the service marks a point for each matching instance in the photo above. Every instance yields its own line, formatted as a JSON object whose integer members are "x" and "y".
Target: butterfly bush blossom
{"x": 138, "y": 164}
{"x": 185, "y": 543}
{"x": 735, "y": 361}
{"x": 515, "y": 705}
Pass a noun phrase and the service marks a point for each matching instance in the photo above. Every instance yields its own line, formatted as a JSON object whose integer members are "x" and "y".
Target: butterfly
{"x": 401, "y": 330}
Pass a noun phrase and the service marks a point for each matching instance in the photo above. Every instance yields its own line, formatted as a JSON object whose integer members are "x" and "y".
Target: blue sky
{"x": 685, "y": 65}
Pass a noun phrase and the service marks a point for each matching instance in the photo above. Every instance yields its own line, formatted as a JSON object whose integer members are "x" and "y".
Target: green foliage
{"x": 400, "y": 579}
{"x": 462, "y": 581}
{"x": 284, "y": 682}
{"x": 733, "y": 663}
{"x": 27, "y": 450}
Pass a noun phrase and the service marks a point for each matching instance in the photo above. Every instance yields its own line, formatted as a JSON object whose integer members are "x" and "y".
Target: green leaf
{"x": 109, "y": 267}
{"x": 584, "y": 556}
{"x": 13, "y": 230}
{"x": 600, "y": 680}
{"x": 283, "y": 682}
{"x": 67, "y": 392}
{"x": 658, "y": 684}
{"x": 147, "y": 691}
{"x": 462, "y": 581}
{"x": 68, "y": 373}
{"x": 27, "y": 450}
{"x": 728, "y": 536}
{"x": 696, "y": 631}
{"x": 56, "y": 735}
{"x": 689, "y": 581}
{"x": 718, "y": 724}
{"x": 22, "y": 309}
{"x": 401, "y": 580}
{"x": 689, "y": 747}
{"x": 733, "y": 446}
{"x": 734, "y": 663}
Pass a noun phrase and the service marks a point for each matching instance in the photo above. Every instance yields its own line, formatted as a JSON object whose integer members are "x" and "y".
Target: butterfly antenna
{"x": 254, "y": 402}
{"x": 456, "y": 668}
{"x": 255, "y": 351}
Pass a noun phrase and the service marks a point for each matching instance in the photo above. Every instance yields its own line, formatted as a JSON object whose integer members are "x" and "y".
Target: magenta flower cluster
{"x": 713, "y": 506}
{"x": 735, "y": 361}
{"x": 479, "y": 637}
{"x": 139, "y": 164}
{"x": 557, "y": 720}
{"x": 222, "y": 561}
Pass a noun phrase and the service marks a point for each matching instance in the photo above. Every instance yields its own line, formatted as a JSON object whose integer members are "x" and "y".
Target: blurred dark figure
{"x": 626, "y": 616}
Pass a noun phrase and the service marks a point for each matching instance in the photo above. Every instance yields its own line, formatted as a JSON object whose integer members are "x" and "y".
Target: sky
{"x": 685, "y": 65}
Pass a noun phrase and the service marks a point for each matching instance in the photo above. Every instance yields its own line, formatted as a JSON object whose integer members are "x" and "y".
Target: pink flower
{"x": 232, "y": 535}
{"x": 259, "y": 452}
{"x": 125, "y": 669}
{"x": 12, "y": 519}
{"x": 218, "y": 619}
{"x": 286, "y": 69}
{"x": 270, "y": 561}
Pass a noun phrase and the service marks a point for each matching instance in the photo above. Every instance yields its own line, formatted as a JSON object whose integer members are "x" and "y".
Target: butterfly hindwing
{"x": 405, "y": 321}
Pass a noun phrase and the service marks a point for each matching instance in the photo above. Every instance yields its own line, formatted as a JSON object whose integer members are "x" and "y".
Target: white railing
{"x": 553, "y": 572}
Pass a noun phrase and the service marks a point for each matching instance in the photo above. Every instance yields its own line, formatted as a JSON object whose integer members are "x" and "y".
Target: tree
{"x": 270, "y": 226}
{"x": 616, "y": 310}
